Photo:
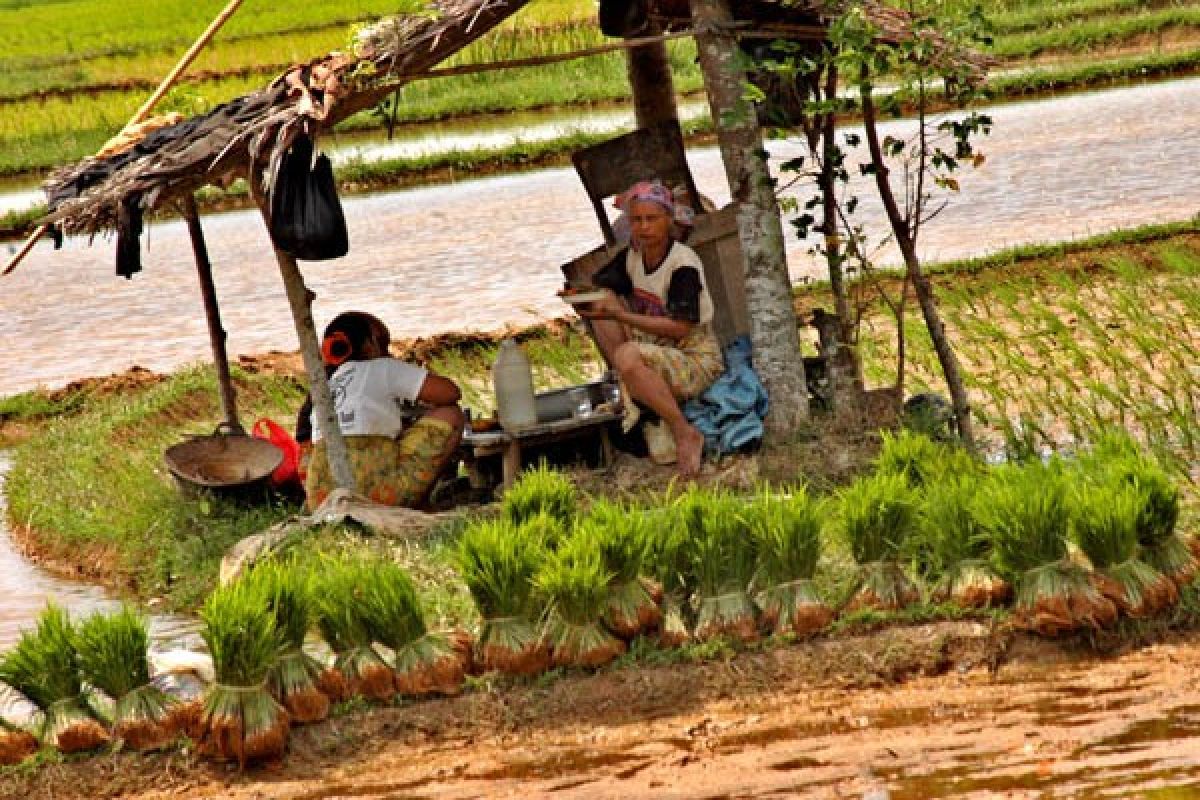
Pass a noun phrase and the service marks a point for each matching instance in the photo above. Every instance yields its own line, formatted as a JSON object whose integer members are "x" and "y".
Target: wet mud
{"x": 812, "y": 720}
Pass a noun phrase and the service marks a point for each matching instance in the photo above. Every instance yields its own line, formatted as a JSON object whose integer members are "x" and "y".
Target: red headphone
{"x": 336, "y": 348}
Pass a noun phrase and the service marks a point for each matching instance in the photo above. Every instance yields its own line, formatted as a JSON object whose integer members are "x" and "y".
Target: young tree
{"x": 911, "y": 175}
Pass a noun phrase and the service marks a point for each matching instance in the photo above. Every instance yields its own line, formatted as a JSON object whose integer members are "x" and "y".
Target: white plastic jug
{"x": 513, "y": 382}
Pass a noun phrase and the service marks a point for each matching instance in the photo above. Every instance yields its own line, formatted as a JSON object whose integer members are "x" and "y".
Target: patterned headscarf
{"x": 648, "y": 192}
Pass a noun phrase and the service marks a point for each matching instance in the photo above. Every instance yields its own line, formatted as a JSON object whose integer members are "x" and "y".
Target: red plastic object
{"x": 287, "y": 474}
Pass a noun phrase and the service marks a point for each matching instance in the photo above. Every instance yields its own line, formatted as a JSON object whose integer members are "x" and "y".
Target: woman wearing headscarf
{"x": 655, "y": 329}
{"x": 395, "y": 461}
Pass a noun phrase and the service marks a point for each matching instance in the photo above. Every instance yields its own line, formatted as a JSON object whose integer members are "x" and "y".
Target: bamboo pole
{"x": 142, "y": 113}
{"x": 212, "y": 312}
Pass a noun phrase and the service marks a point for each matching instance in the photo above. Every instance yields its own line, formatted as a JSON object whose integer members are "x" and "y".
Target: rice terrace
{"x": 885, "y": 487}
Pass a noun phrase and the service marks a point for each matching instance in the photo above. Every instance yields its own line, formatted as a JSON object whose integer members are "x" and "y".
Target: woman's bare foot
{"x": 689, "y": 448}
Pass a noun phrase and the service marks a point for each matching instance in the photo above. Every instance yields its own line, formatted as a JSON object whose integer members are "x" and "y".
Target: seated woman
{"x": 394, "y": 463}
{"x": 655, "y": 329}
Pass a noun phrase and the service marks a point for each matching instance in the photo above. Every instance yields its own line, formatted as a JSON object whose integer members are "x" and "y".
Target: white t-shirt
{"x": 369, "y": 396}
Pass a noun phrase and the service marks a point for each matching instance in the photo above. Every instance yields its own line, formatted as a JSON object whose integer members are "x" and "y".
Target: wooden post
{"x": 768, "y": 286}
{"x": 216, "y": 333}
{"x": 300, "y": 299}
{"x": 653, "y": 87}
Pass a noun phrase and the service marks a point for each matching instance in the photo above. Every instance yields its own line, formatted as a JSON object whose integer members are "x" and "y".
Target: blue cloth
{"x": 730, "y": 413}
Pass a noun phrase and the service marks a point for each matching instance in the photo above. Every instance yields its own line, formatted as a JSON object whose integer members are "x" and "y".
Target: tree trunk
{"x": 768, "y": 286}
{"x": 653, "y": 86}
{"x": 921, "y": 285}
{"x": 828, "y": 185}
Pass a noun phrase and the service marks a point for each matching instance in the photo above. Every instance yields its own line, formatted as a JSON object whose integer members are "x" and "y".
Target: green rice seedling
{"x": 544, "y": 527}
{"x": 575, "y": 584}
{"x": 1104, "y": 525}
{"x": 241, "y": 720}
{"x": 340, "y": 588}
{"x": 498, "y": 562}
{"x": 1026, "y": 513}
{"x": 787, "y": 533}
{"x": 723, "y": 560}
{"x": 44, "y": 667}
{"x": 540, "y": 489}
{"x": 955, "y": 549}
{"x": 920, "y": 459}
{"x": 16, "y": 744}
{"x": 1157, "y": 517}
{"x": 286, "y": 591}
{"x": 876, "y": 515}
{"x": 112, "y": 657}
{"x": 623, "y": 535}
{"x": 672, "y": 530}
{"x": 424, "y": 662}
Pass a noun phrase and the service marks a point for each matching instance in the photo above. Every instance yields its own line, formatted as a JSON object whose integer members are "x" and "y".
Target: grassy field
{"x": 65, "y": 91}
{"x": 1055, "y": 341}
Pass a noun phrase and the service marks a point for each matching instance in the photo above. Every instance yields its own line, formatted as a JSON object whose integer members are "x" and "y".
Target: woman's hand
{"x": 610, "y": 307}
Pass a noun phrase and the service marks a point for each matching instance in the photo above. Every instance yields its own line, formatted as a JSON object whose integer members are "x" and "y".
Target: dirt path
{"x": 916, "y": 713}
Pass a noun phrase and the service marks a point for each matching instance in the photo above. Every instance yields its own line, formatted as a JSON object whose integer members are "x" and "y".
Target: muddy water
{"x": 25, "y": 590}
{"x": 482, "y": 254}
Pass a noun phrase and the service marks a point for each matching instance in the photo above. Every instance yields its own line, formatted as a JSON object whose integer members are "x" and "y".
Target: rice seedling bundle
{"x": 358, "y": 669}
{"x": 1104, "y": 524}
{"x": 423, "y": 662}
{"x": 723, "y": 561}
{"x": 876, "y": 516}
{"x": 112, "y": 657}
{"x": 623, "y": 536}
{"x": 1158, "y": 517}
{"x": 1025, "y": 511}
{"x": 575, "y": 583}
{"x": 44, "y": 667}
{"x": 498, "y": 561}
{"x": 955, "y": 549}
{"x": 537, "y": 490}
{"x": 287, "y": 593}
{"x": 668, "y": 552}
{"x": 242, "y": 721}
{"x": 920, "y": 459}
{"x": 545, "y": 527}
{"x": 787, "y": 531}
{"x": 16, "y": 744}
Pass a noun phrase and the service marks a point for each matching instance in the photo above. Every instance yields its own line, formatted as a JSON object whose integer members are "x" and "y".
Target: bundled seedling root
{"x": 294, "y": 682}
{"x": 731, "y": 615}
{"x": 1060, "y": 598}
{"x": 367, "y": 673}
{"x": 513, "y": 645}
{"x": 632, "y": 609}
{"x": 976, "y": 585}
{"x": 436, "y": 663}
{"x": 113, "y": 658}
{"x": 333, "y": 685}
{"x": 44, "y": 668}
{"x": 794, "y": 608}
{"x": 575, "y": 583}
{"x": 241, "y": 720}
{"x": 883, "y": 587}
{"x": 673, "y": 630}
{"x": 16, "y": 745}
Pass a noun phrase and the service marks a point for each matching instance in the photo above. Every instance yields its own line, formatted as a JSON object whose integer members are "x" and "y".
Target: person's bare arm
{"x": 439, "y": 391}
{"x": 612, "y": 308}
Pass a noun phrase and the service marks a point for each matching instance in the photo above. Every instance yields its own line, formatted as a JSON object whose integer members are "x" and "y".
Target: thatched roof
{"x": 254, "y": 130}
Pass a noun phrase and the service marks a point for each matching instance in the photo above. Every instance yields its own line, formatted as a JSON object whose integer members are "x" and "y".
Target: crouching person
{"x": 395, "y": 459}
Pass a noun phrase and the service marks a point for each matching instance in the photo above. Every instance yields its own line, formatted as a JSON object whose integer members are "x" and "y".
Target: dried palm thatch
{"x": 258, "y": 128}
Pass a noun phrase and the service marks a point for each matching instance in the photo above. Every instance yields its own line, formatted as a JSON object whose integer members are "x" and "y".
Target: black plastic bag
{"x": 306, "y": 215}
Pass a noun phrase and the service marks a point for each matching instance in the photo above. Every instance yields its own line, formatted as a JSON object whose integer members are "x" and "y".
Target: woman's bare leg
{"x": 649, "y": 387}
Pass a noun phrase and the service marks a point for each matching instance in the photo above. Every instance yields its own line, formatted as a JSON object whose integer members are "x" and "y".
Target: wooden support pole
{"x": 300, "y": 300}
{"x": 650, "y": 78}
{"x": 212, "y": 312}
{"x": 768, "y": 287}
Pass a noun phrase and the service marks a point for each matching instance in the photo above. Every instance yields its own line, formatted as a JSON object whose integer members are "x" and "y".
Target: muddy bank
{"x": 946, "y": 710}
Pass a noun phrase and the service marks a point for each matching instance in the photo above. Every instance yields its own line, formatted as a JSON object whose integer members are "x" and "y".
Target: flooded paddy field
{"x": 482, "y": 254}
